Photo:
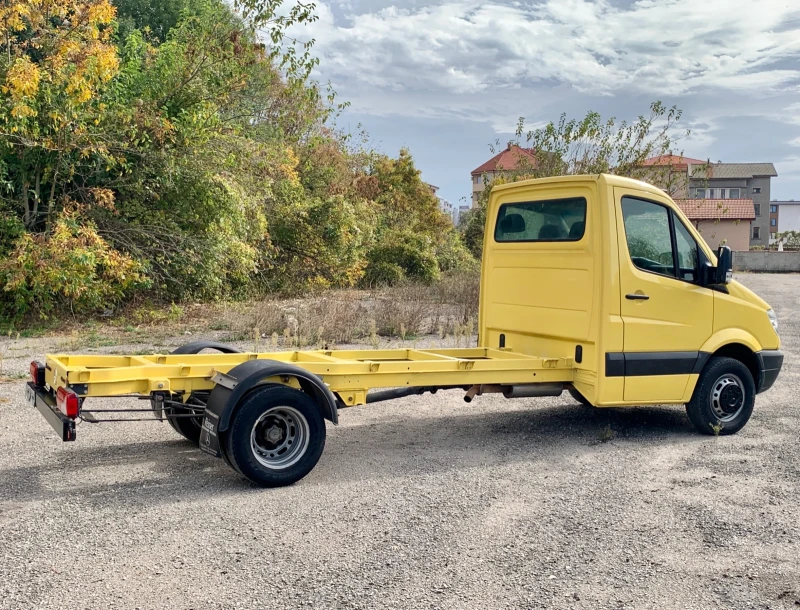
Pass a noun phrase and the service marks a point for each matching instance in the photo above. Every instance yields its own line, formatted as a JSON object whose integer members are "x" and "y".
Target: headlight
{"x": 773, "y": 319}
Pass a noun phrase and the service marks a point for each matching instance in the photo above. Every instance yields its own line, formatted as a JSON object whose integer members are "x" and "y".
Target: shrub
{"x": 452, "y": 254}
{"x": 382, "y": 274}
{"x": 413, "y": 254}
{"x": 72, "y": 268}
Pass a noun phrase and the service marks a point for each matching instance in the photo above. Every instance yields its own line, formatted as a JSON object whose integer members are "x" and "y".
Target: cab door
{"x": 667, "y": 316}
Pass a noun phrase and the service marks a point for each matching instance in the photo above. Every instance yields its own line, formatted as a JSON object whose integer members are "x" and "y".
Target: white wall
{"x": 789, "y": 217}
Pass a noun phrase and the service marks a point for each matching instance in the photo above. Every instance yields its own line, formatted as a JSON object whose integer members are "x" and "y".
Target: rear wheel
{"x": 185, "y": 423}
{"x": 723, "y": 399}
{"x": 276, "y": 436}
{"x": 183, "y": 420}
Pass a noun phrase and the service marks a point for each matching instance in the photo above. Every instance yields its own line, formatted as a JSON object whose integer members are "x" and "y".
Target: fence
{"x": 767, "y": 261}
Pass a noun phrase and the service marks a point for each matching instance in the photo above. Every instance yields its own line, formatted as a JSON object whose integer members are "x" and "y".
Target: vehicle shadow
{"x": 392, "y": 446}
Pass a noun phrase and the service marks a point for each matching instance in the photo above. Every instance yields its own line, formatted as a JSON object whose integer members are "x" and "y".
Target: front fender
{"x": 728, "y": 336}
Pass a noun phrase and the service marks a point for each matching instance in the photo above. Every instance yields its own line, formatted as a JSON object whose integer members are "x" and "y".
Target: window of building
{"x": 773, "y": 222}
{"x": 734, "y": 193}
{"x": 700, "y": 193}
{"x": 756, "y": 189}
{"x": 476, "y": 179}
{"x": 756, "y": 232}
{"x": 773, "y": 209}
{"x": 757, "y": 206}
{"x": 532, "y": 221}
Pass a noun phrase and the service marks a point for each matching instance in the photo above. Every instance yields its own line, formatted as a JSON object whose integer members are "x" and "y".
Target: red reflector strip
{"x": 68, "y": 402}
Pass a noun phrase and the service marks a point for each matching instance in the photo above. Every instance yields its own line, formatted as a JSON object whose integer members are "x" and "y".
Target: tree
{"x": 592, "y": 146}
{"x": 59, "y": 55}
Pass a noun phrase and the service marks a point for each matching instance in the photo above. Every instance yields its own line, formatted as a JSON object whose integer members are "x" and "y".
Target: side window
{"x": 531, "y": 221}
{"x": 648, "y": 234}
{"x": 686, "y": 247}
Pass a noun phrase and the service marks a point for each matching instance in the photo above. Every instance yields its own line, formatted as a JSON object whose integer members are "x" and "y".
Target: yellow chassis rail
{"x": 348, "y": 373}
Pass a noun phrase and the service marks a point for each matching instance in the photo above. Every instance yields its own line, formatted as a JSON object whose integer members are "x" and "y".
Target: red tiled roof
{"x": 677, "y": 161}
{"x": 512, "y": 158}
{"x": 713, "y": 209}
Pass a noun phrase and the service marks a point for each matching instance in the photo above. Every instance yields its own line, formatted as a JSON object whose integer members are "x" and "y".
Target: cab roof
{"x": 605, "y": 179}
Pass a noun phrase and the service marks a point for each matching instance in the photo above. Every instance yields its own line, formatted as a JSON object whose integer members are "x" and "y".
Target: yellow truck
{"x": 597, "y": 285}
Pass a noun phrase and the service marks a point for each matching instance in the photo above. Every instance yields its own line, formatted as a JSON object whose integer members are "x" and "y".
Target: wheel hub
{"x": 727, "y": 397}
{"x": 280, "y": 437}
{"x": 274, "y": 434}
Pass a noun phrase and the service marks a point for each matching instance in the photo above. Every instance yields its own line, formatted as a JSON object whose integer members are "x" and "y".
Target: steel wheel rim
{"x": 279, "y": 438}
{"x": 727, "y": 397}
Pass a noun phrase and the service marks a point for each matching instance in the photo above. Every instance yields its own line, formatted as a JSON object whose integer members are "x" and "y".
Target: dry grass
{"x": 448, "y": 307}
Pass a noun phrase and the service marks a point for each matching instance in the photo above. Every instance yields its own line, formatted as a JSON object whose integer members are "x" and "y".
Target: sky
{"x": 448, "y": 79}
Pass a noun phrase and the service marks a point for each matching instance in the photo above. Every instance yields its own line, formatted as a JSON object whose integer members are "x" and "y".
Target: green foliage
{"x": 202, "y": 160}
{"x": 156, "y": 18}
{"x": 74, "y": 268}
{"x": 400, "y": 255}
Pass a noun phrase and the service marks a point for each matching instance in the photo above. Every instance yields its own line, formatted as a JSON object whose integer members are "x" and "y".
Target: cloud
{"x": 474, "y": 48}
{"x": 417, "y": 70}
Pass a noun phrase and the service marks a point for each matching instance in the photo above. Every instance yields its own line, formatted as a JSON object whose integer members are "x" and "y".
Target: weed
{"x": 716, "y": 429}
{"x": 607, "y": 434}
{"x": 374, "y": 340}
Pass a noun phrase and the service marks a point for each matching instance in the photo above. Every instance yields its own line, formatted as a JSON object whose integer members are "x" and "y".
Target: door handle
{"x": 637, "y": 297}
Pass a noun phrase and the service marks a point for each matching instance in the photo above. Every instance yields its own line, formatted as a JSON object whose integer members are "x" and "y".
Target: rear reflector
{"x": 37, "y": 373}
{"x": 68, "y": 402}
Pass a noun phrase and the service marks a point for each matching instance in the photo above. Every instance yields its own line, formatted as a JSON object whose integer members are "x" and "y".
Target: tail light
{"x": 37, "y": 373}
{"x": 68, "y": 402}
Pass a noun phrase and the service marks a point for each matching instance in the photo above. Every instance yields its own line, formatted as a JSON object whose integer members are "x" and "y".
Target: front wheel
{"x": 723, "y": 399}
{"x": 276, "y": 436}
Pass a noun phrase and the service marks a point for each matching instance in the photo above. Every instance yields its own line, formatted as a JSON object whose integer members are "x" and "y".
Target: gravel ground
{"x": 423, "y": 503}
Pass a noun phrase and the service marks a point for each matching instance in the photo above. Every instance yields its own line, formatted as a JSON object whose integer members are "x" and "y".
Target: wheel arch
{"x": 743, "y": 354}
{"x": 248, "y": 376}
{"x": 737, "y": 344}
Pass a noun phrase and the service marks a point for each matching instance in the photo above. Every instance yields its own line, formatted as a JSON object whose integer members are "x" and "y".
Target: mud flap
{"x": 209, "y": 437}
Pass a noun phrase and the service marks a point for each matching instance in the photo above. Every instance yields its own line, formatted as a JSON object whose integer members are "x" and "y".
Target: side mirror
{"x": 722, "y": 273}
{"x": 724, "y": 270}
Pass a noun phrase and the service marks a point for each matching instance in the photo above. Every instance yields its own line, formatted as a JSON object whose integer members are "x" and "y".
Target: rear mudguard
{"x": 241, "y": 379}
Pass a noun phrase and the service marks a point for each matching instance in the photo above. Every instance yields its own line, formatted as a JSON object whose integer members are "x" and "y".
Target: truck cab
{"x": 609, "y": 272}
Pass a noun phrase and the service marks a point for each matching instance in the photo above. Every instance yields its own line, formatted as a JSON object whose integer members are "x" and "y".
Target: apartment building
{"x": 784, "y": 216}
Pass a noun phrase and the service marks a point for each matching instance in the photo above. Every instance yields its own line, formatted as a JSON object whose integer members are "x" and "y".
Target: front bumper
{"x": 45, "y": 402}
{"x": 769, "y": 365}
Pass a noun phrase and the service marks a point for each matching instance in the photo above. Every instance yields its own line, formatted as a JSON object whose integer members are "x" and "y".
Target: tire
{"x": 578, "y": 397}
{"x": 188, "y": 427}
{"x": 723, "y": 399}
{"x": 276, "y": 436}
